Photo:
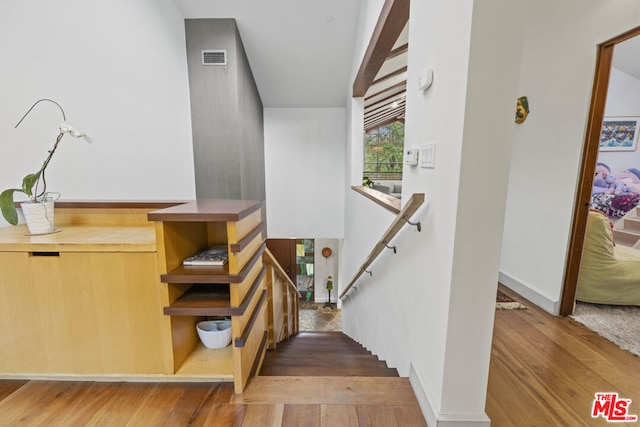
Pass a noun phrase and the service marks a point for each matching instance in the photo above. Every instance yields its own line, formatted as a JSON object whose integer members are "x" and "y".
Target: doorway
{"x": 589, "y": 158}
{"x": 296, "y": 256}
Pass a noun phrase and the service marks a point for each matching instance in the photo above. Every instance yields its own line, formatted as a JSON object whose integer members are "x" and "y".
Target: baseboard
{"x": 432, "y": 414}
{"x": 530, "y": 293}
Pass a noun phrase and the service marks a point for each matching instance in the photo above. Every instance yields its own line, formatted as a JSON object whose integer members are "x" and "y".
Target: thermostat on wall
{"x": 411, "y": 156}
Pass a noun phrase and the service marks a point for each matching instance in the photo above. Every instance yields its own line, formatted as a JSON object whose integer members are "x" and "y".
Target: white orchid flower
{"x": 74, "y": 132}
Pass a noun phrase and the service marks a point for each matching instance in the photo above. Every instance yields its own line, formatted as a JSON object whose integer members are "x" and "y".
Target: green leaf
{"x": 8, "y": 206}
{"x": 29, "y": 181}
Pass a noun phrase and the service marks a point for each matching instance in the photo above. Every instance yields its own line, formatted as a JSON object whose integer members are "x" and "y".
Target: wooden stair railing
{"x": 403, "y": 218}
{"x": 283, "y": 298}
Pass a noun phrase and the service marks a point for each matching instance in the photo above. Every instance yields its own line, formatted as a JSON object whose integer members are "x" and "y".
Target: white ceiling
{"x": 300, "y": 51}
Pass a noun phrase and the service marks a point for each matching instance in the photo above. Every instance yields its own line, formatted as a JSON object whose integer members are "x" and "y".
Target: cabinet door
{"x": 82, "y": 313}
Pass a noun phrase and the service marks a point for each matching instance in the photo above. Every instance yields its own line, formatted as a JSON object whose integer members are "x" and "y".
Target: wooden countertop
{"x": 207, "y": 210}
{"x": 80, "y": 238}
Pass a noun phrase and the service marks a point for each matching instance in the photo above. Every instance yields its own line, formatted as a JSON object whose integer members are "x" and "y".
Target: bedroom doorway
{"x": 587, "y": 171}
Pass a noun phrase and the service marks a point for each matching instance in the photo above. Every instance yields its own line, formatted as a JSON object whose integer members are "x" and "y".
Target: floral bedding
{"x": 614, "y": 206}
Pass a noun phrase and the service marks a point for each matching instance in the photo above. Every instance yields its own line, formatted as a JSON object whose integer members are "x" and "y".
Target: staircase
{"x": 327, "y": 379}
{"x": 323, "y": 354}
{"x": 626, "y": 231}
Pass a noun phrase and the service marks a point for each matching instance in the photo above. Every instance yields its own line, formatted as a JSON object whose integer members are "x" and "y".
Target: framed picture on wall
{"x": 619, "y": 134}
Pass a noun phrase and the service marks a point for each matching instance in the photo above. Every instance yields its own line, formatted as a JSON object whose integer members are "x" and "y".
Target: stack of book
{"x": 215, "y": 255}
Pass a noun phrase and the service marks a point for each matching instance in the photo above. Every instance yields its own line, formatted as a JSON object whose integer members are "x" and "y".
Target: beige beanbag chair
{"x": 609, "y": 274}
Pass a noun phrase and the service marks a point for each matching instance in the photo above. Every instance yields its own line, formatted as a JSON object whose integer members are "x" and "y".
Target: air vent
{"x": 214, "y": 57}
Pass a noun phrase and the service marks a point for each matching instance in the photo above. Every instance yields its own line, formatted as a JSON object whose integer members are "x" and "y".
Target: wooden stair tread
{"x": 327, "y": 354}
{"x": 297, "y": 371}
{"x": 327, "y": 390}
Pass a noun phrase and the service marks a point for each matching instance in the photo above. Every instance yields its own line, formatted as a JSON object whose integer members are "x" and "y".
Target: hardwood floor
{"x": 544, "y": 371}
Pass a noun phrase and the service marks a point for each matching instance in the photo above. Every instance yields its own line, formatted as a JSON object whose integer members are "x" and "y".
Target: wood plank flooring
{"x": 544, "y": 371}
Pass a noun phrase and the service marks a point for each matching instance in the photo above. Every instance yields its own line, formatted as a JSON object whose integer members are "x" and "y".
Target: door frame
{"x": 587, "y": 169}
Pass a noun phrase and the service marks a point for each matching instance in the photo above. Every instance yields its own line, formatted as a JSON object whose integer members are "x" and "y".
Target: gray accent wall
{"x": 226, "y": 115}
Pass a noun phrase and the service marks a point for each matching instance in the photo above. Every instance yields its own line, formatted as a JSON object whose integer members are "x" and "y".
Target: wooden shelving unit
{"x": 108, "y": 295}
{"x": 236, "y": 290}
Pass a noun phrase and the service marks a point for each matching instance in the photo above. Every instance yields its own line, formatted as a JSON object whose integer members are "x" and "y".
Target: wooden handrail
{"x": 268, "y": 258}
{"x": 403, "y": 218}
{"x": 282, "y": 310}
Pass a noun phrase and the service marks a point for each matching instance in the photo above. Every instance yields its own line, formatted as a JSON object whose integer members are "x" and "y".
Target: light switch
{"x": 428, "y": 155}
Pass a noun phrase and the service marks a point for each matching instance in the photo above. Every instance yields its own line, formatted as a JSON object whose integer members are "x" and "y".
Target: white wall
{"x": 558, "y": 63}
{"x": 623, "y": 99}
{"x": 118, "y": 68}
{"x": 325, "y": 267}
{"x": 429, "y": 308}
{"x": 305, "y": 172}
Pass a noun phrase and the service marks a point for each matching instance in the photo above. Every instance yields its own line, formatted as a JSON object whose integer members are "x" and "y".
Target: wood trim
{"x": 244, "y": 242}
{"x": 402, "y": 86}
{"x": 254, "y": 287}
{"x": 391, "y": 75}
{"x": 262, "y": 349}
{"x": 387, "y": 201}
{"x": 374, "y": 126}
{"x": 587, "y": 170}
{"x": 384, "y": 116}
{"x": 114, "y": 204}
{"x": 398, "y": 51}
{"x": 242, "y": 340}
{"x": 385, "y": 105}
{"x": 393, "y": 18}
{"x": 207, "y": 210}
{"x": 382, "y": 101}
{"x": 210, "y": 274}
{"x": 190, "y": 303}
{"x": 382, "y": 112}
{"x": 268, "y": 258}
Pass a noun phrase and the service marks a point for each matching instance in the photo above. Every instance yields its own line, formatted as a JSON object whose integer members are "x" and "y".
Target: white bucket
{"x": 39, "y": 217}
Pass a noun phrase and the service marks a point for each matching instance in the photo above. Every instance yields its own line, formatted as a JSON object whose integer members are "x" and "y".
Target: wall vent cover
{"x": 214, "y": 57}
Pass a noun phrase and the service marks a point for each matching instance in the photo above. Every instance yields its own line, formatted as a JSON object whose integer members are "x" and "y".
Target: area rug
{"x": 505, "y": 302}
{"x": 620, "y": 324}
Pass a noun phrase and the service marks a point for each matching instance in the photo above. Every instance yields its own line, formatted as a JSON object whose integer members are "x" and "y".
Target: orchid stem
{"x": 64, "y": 118}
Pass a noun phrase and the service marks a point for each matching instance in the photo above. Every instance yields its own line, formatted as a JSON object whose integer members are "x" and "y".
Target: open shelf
{"x": 210, "y": 273}
{"x": 236, "y": 289}
{"x": 203, "y": 300}
{"x": 208, "y": 363}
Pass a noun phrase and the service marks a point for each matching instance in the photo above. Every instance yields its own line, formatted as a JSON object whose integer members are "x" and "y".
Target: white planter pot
{"x": 39, "y": 217}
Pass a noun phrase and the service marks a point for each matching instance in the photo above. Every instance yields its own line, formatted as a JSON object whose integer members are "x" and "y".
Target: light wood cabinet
{"x": 236, "y": 290}
{"x": 108, "y": 295}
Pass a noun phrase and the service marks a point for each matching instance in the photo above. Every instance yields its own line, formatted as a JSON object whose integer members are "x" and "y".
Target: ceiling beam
{"x": 402, "y": 86}
{"x": 384, "y": 111}
{"x": 392, "y": 20}
{"x": 391, "y": 75}
{"x": 398, "y": 51}
{"x": 382, "y": 124}
{"x": 368, "y": 107}
{"x": 384, "y": 119}
{"x": 385, "y": 106}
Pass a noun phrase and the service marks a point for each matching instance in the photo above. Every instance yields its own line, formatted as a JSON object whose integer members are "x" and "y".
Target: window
{"x": 383, "y": 153}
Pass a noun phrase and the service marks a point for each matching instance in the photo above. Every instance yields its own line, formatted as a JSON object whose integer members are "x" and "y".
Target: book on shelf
{"x": 215, "y": 255}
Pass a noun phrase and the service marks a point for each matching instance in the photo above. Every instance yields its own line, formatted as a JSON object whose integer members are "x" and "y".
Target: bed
{"x": 615, "y": 193}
